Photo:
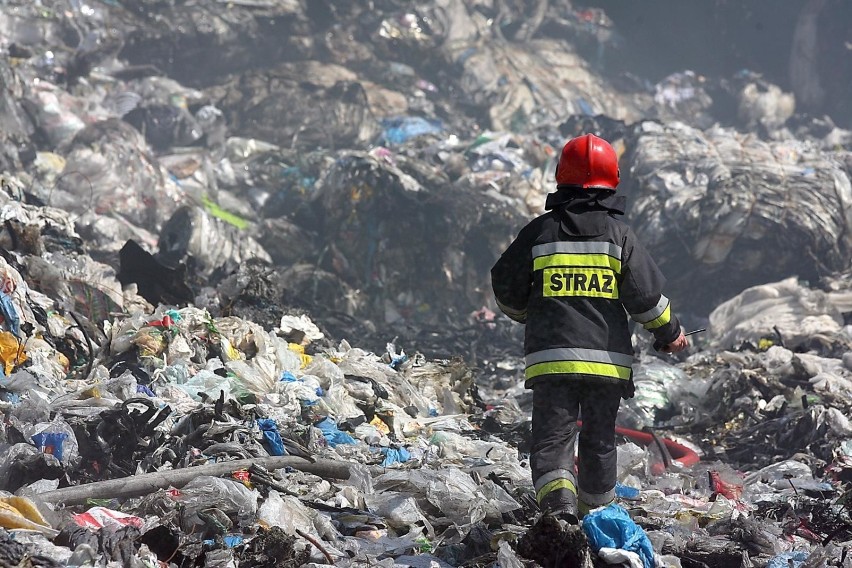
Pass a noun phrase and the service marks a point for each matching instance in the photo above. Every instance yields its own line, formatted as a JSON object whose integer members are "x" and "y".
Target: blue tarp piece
{"x": 51, "y": 443}
{"x": 612, "y": 527}
{"x": 626, "y": 492}
{"x": 142, "y": 389}
{"x": 288, "y": 377}
{"x": 792, "y": 559}
{"x": 402, "y": 129}
{"x": 10, "y": 314}
{"x": 332, "y": 433}
{"x": 230, "y": 540}
{"x": 394, "y": 455}
{"x": 271, "y": 438}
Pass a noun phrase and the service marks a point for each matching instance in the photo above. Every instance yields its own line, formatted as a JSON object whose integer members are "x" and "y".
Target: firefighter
{"x": 570, "y": 276}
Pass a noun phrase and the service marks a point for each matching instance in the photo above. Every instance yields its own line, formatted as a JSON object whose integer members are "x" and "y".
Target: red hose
{"x": 680, "y": 453}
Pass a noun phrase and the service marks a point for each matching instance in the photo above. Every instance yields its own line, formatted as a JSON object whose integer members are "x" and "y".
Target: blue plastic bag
{"x": 403, "y": 129}
{"x": 142, "y": 389}
{"x": 612, "y": 527}
{"x": 333, "y": 435}
{"x": 395, "y": 455}
{"x": 792, "y": 559}
{"x": 626, "y": 492}
{"x": 10, "y": 314}
{"x": 288, "y": 377}
{"x": 51, "y": 443}
{"x": 271, "y": 438}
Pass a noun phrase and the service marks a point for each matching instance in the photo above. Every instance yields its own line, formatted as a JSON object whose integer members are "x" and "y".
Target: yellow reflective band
{"x": 553, "y": 486}
{"x": 585, "y": 282}
{"x": 589, "y": 260}
{"x": 578, "y": 367}
{"x": 660, "y": 321}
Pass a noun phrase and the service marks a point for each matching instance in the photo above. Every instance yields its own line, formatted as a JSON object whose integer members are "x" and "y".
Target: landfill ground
{"x": 244, "y": 280}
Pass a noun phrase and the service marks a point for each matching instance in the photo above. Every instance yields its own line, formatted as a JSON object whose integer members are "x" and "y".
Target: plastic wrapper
{"x": 212, "y": 242}
{"x": 17, "y": 454}
{"x": 286, "y": 512}
{"x": 57, "y": 439}
{"x": 340, "y": 404}
{"x": 249, "y": 379}
{"x": 21, "y": 513}
{"x": 225, "y": 494}
{"x": 506, "y": 557}
{"x": 399, "y": 511}
{"x": 793, "y": 559}
{"x": 332, "y": 434}
{"x": 630, "y": 458}
{"x": 455, "y": 447}
{"x": 271, "y": 438}
{"x": 99, "y": 517}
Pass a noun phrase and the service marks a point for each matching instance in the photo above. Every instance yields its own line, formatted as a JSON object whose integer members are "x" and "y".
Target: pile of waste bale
{"x": 246, "y": 315}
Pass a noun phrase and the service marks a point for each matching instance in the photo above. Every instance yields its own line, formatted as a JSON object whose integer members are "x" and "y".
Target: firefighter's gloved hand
{"x": 678, "y": 344}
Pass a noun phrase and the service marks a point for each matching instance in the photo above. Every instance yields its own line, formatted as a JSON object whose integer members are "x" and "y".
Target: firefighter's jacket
{"x": 570, "y": 276}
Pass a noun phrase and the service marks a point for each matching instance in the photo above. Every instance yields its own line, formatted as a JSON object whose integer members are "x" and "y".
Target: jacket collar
{"x": 577, "y": 200}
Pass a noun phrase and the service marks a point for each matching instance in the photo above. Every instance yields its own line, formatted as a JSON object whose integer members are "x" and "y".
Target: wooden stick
{"x": 147, "y": 483}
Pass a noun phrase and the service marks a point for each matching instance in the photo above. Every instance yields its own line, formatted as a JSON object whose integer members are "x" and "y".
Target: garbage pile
{"x": 719, "y": 201}
{"x": 246, "y": 317}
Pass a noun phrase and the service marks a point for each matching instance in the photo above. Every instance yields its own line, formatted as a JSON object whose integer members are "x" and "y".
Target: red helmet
{"x": 588, "y": 162}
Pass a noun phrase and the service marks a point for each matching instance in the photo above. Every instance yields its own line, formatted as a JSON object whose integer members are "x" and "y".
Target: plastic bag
{"x": 620, "y": 557}
{"x": 99, "y": 517}
{"x": 286, "y": 512}
{"x": 209, "y": 383}
{"x": 11, "y": 352}
{"x": 123, "y": 387}
{"x": 19, "y": 382}
{"x": 420, "y": 561}
{"x": 271, "y": 438}
{"x": 360, "y": 478}
{"x": 10, "y": 314}
{"x": 332, "y": 434}
{"x": 250, "y": 379}
{"x": 792, "y": 559}
{"x": 57, "y": 439}
{"x": 612, "y": 527}
{"x": 21, "y": 513}
{"x": 454, "y": 493}
{"x": 394, "y": 455}
{"x": 230, "y": 496}
{"x": 507, "y": 558}
{"x": 327, "y": 372}
{"x": 340, "y": 404}
{"x": 456, "y": 447}
{"x": 399, "y": 511}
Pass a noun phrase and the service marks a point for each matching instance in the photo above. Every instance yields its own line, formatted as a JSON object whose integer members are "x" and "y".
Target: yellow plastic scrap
{"x": 11, "y": 352}
{"x": 228, "y": 350}
{"x": 306, "y": 359}
{"x": 91, "y": 392}
{"x": 764, "y": 344}
{"x": 63, "y": 360}
{"x": 149, "y": 343}
{"x": 380, "y": 425}
{"x": 21, "y": 513}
